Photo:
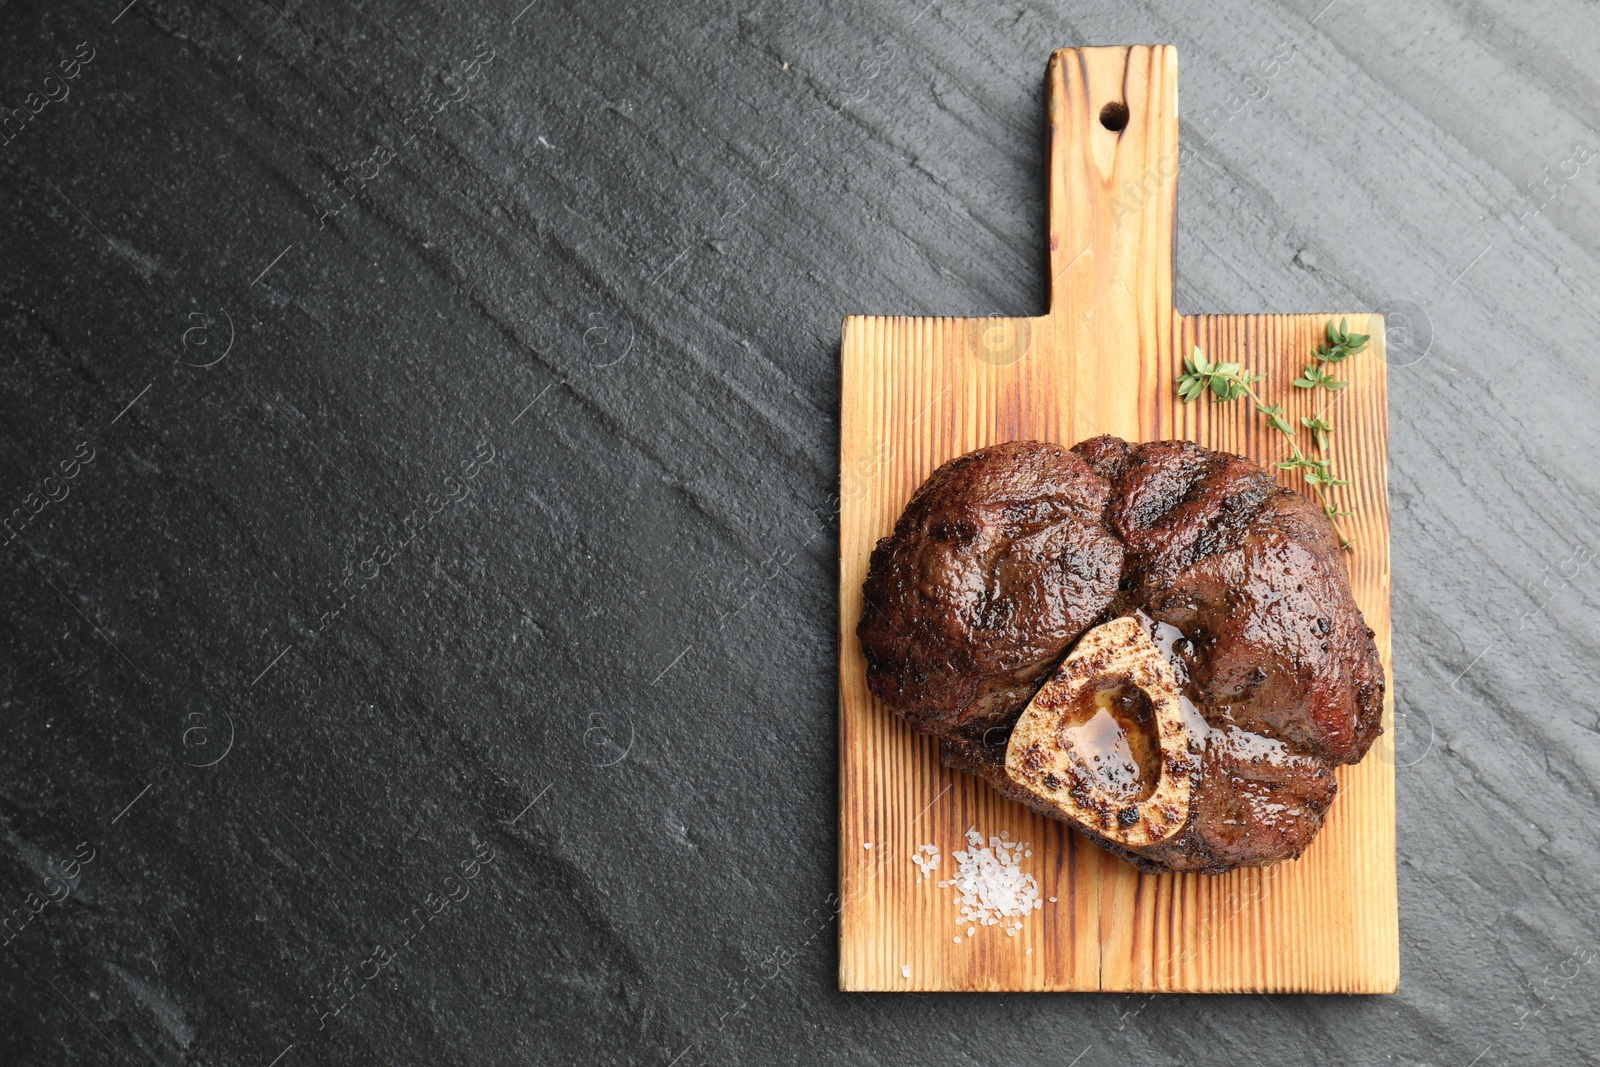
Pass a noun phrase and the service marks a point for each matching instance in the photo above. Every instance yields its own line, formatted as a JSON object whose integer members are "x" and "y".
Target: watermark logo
{"x": 607, "y": 338}
{"x": 607, "y": 738}
{"x": 205, "y": 336}
{"x": 202, "y": 734}
{"x": 1412, "y": 737}
{"x": 1000, "y": 342}
{"x": 1407, "y": 332}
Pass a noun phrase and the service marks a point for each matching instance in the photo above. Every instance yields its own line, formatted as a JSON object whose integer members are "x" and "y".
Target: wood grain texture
{"x": 919, "y": 391}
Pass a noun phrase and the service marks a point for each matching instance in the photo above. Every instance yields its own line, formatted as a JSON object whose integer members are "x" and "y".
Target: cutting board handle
{"x": 1113, "y": 151}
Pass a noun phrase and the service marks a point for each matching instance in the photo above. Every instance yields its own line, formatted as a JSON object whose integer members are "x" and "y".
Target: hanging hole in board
{"x": 1114, "y": 116}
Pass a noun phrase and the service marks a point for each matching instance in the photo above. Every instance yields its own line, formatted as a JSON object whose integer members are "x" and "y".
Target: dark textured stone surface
{"x": 620, "y": 262}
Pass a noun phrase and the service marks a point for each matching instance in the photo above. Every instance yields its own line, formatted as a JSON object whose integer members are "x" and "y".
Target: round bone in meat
{"x": 1104, "y": 744}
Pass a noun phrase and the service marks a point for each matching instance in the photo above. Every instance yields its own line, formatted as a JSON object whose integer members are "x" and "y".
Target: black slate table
{"x": 419, "y": 440}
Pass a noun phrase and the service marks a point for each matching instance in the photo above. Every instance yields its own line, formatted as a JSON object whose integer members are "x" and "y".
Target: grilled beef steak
{"x": 1196, "y": 726}
{"x": 1001, "y": 560}
{"x": 1252, "y": 575}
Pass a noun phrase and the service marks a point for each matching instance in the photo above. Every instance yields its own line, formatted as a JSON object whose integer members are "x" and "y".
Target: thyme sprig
{"x": 1339, "y": 345}
{"x": 1228, "y": 381}
{"x": 1319, "y": 430}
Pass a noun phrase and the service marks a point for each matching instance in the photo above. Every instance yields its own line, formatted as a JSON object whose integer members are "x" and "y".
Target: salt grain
{"x": 905, "y": 970}
{"x": 994, "y": 890}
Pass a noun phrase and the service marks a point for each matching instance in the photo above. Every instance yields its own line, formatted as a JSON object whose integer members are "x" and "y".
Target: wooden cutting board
{"x": 919, "y": 391}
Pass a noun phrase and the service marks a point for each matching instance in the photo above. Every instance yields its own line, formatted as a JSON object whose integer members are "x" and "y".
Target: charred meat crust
{"x": 1252, "y": 575}
{"x": 999, "y": 562}
{"x": 1249, "y": 810}
{"x": 1005, "y": 556}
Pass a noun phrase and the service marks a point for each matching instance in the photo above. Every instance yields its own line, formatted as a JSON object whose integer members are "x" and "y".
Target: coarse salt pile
{"x": 928, "y": 863}
{"x": 994, "y": 888}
